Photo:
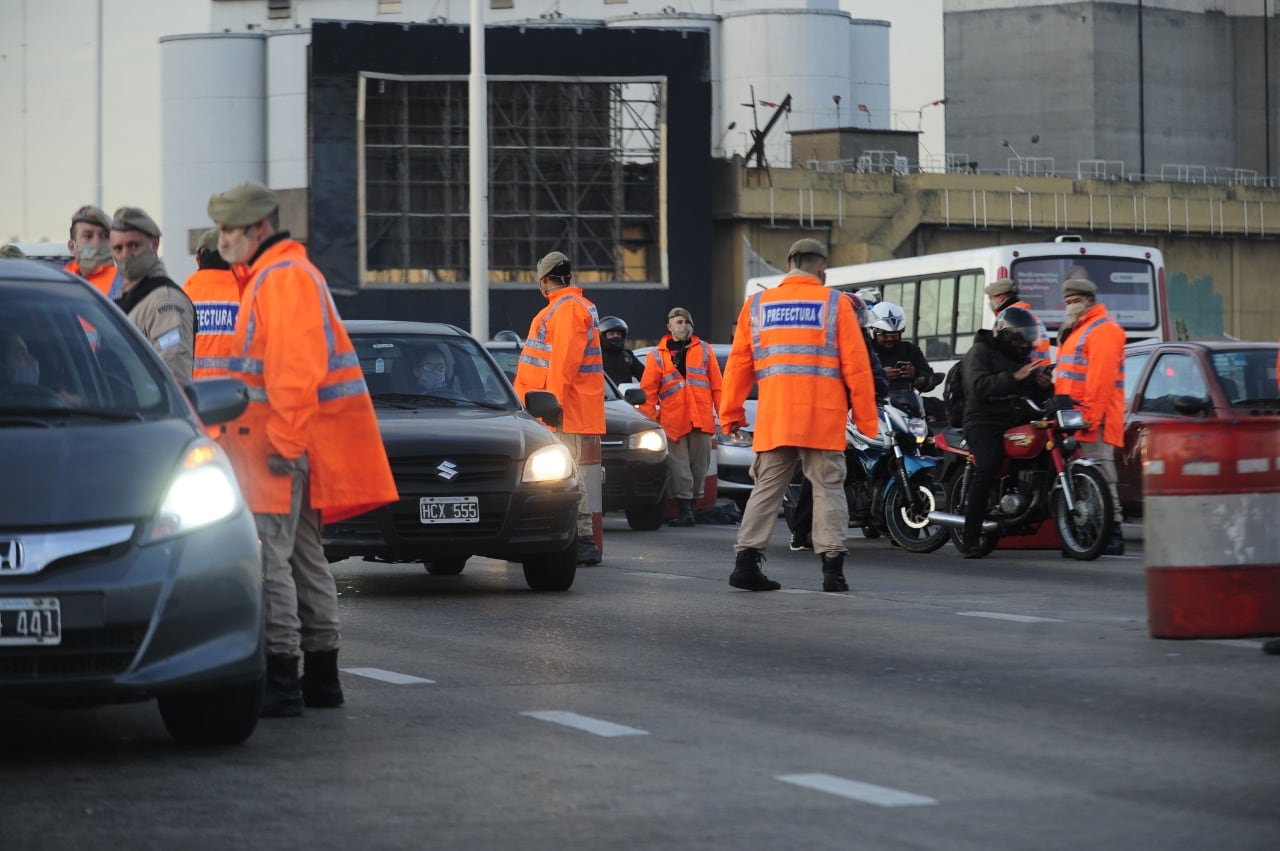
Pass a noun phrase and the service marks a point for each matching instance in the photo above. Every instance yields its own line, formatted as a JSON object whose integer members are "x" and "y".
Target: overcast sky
{"x": 47, "y": 163}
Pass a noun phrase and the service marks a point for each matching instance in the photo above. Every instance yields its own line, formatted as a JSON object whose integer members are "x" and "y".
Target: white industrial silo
{"x": 721, "y": 136}
{"x": 799, "y": 52}
{"x": 869, "y": 75}
{"x": 287, "y": 108}
{"x": 213, "y": 130}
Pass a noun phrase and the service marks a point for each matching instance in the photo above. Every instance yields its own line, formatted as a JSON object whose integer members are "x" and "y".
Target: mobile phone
{"x": 903, "y": 364}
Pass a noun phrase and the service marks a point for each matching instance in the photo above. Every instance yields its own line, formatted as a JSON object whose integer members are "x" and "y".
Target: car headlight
{"x": 650, "y": 440}
{"x": 203, "y": 491}
{"x": 551, "y": 463}
{"x": 742, "y": 437}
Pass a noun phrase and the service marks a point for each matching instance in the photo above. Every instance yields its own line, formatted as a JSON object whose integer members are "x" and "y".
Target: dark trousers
{"x": 986, "y": 442}
{"x": 802, "y": 517}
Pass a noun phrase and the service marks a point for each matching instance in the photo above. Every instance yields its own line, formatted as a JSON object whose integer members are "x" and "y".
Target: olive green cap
{"x": 93, "y": 215}
{"x": 243, "y": 204}
{"x": 134, "y": 218}
{"x": 555, "y": 264}
{"x": 807, "y": 246}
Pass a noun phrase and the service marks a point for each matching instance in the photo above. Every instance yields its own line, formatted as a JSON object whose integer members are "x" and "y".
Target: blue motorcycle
{"x": 889, "y": 480}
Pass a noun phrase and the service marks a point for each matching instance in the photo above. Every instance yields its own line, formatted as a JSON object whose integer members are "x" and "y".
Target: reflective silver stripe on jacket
{"x": 539, "y": 342}
{"x": 214, "y": 363}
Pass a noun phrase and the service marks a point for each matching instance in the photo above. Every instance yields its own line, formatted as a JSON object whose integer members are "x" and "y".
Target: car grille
{"x": 470, "y": 471}
{"x": 613, "y": 440}
{"x": 82, "y": 653}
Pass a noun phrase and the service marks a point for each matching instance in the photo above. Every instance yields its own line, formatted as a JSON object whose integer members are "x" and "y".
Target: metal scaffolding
{"x": 574, "y": 165}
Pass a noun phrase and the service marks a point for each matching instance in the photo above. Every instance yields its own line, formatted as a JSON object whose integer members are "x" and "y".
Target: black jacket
{"x": 989, "y": 385}
{"x": 905, "y": 350}
{"x": 620, "y": 364}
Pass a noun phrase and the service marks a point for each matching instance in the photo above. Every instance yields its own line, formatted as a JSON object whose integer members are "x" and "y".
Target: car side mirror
{"x": 635, "y": 396}
{"x": 218, "y": 400}
{"x": 545, "y": 406}
{"x": 1192, "y": 406}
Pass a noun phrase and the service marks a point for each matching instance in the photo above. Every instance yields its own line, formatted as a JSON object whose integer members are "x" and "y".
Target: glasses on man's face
{"x": 431, "y": 367}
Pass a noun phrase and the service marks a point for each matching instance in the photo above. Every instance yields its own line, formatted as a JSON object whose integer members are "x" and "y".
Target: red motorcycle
{"x": 1043, "y": 477}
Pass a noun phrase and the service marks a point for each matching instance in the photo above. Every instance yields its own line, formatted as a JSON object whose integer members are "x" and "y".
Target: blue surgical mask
{"x": 28, "y": 373}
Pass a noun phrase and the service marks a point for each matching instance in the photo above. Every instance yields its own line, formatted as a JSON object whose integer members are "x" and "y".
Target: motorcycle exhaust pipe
{"x": 956, "y": 521}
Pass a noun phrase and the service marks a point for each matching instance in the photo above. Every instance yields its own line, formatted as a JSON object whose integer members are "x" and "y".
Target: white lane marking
{"x": 656, "y": 574}
{"x": 881, "y": 796}
{"x": 1000, "y": 616}
{"x": 589, "y": 725}
{"x": 385, "y": 676}
{"x": 1235, "y": 642}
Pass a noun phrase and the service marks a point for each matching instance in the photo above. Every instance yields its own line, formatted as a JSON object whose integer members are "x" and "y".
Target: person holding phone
{"x": 905, "y": 365}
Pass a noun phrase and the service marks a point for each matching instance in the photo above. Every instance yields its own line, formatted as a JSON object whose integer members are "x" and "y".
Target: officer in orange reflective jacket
{"x": 562, "y": 356}
{"x": 90, "y": 245}
{"x": 215, "y": 292}
{"x": 306, "y": 448}
{"x": 802, "y": 343}
{"x": 681, "y": 383}
{"x": 1091, "y": 371}
{"x": 1002, "y": 294}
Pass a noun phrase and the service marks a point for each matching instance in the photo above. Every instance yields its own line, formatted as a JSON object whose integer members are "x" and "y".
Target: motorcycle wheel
{"x": 1086, "y": 530}
{"x": 956, "y": 499}
{"x": 909, "y": 525}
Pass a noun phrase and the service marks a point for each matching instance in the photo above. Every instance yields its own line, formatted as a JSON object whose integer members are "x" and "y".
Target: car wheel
{"x": 647, "y": 518}
{"x": 446, "y": 566}
{"x": 225, "y": 716}
{"x": 552, "y": 571}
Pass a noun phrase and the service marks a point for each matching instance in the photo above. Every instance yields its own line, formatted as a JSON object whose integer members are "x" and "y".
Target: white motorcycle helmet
{"x": 887, "y": 318}
{"x": 869, "y": 295}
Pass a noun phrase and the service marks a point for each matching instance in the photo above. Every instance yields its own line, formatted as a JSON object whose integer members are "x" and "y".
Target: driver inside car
{"x": 17, "y": 365}
{"x": 432, "y": 371}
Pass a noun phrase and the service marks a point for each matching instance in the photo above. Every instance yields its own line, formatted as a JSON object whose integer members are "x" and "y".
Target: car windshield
{"x": 424, "y": 370}
{"x": 65, "y": 355}
{"x": 1247, "y": 376}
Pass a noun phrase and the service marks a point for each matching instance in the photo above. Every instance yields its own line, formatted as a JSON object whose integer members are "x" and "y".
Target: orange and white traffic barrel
{"x": 592, "y": 468}
{"x": 711, "y": 483}
{"x": 1211, "y": 534}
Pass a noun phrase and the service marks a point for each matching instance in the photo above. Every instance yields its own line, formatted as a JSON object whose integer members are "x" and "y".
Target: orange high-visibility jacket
{"x": 1091, "y": 371}
{"x": 1040, "y": 351}
{"x": 682, "y": 403}
{"x": 306, "y": 394}
{"x": 562, "y": 355}
{"x": 801, "y": 342}
{"x": 105, "y": 278}
{"x": 216, "y": 296}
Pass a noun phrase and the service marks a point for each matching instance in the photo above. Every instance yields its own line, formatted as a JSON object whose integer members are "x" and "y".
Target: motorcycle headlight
{"x": 649, "y": 440}
{"x": 202, "y": 491}
{"x": 738, "y": 438}
{"x": 551, "y": 463}
{"x": 918, "y": 429}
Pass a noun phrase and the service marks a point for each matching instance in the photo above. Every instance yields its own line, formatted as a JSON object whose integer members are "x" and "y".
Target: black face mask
{"x": 614, "y": 342}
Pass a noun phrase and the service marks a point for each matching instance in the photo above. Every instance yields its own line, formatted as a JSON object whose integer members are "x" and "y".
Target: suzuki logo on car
{"x": 10, "y": 555}
{"x": 447, "y": 470}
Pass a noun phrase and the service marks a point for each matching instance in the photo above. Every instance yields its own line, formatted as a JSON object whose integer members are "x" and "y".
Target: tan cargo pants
{"x": 687, "y": 463}
{"x": 772, "y": 470}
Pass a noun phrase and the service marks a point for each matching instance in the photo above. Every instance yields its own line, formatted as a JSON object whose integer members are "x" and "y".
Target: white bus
{"x": 942, "y": 296}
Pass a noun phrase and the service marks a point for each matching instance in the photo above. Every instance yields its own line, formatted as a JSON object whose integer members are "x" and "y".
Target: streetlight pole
{"x": 478, "y": 143}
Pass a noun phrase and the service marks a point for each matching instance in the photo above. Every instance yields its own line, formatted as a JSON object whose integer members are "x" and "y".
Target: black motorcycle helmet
{"x": 1017, "y": 330}
{"x": 613, "y": 323}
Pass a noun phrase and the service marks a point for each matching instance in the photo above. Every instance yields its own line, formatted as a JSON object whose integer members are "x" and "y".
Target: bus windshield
{"x": 1126, "y": 286}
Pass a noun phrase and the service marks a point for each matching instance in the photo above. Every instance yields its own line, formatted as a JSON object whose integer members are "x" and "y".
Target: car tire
{"x": 647, "y": 518}
{"x": 224, "y": 716}
{"x": 552, "y": 571}
{"x": 446, "y": 566}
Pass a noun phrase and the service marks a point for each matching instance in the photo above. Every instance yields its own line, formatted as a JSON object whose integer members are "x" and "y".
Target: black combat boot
{"x": 320, "y": 686}
{"x": 747, "y": 574}
{"x": 1115, "y": 546}
{"x": 833, "y": 572}
{"x": 685, "y": 517}
{"x": 588, "y": 552}
{"x": 283, "y": 695}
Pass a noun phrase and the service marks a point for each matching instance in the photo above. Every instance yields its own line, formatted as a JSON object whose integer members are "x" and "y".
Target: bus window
{"x": 934, "y": 323}
{"x": 970, "y": 303}
{"x": 1125, "y": 285}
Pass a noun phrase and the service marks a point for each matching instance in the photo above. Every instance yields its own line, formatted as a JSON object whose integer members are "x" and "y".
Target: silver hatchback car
{"x": 129, "y": 562}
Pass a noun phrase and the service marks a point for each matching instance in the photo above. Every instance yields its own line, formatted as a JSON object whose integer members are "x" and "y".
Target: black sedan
{"x": 129, "y": 563}
{"x": 633, "y": 450}
{"x": 477, "y": 473}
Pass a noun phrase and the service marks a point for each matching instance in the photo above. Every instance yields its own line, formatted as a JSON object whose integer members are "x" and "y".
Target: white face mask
{"x": 682, "y": 332}
{"x": 1076, "y": 310}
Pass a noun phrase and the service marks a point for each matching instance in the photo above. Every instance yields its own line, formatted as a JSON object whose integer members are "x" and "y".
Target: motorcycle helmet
{"x": 507, "y": 336}
{"x": 887, "y": 318}
{"x": 613, "y": 323}
{"x": 870, "y": 295}
{"x": 860, "y": 309}
{"x": 1018, "y": 330}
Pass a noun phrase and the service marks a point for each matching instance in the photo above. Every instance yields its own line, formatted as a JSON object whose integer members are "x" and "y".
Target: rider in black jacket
{"x": 997, "y": 369}
{"x": 619, "y": 362}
